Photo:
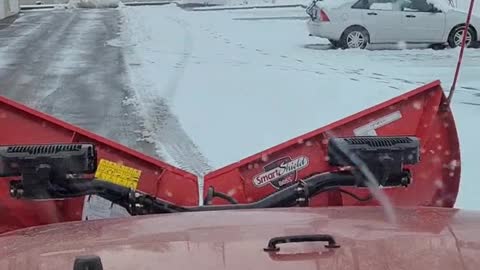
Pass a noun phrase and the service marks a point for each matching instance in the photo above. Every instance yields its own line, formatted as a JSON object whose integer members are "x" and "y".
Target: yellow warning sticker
{"x": 118, "y": 174}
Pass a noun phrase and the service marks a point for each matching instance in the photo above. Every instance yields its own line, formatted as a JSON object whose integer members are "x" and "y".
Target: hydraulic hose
{"x": 145, "y": 204}
{"x": 289, "y": 195}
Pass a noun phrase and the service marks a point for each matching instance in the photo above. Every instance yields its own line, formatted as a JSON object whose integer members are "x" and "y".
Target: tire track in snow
{"x": 299, "y": 64}
{"x": 171, "y": 139}
{"x": 361, "y": 73}
{"x": 162, "y": 126}
{"x": 183, "y": 61}
{"x": 352, "y": 73}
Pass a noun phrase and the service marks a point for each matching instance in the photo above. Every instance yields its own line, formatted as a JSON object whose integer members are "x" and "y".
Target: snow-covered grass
{"x": 243, "y": 81}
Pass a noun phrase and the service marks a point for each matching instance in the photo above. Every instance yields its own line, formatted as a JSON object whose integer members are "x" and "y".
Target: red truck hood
{"x": 422, "y": 238}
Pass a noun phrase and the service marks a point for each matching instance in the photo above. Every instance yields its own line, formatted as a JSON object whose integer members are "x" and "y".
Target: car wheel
{"x": 456, "y": 35}
{"x": 354, "y": 38}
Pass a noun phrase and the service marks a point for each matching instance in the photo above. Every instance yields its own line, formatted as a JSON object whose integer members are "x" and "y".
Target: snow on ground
{"x": 93, "y": 3}
{"x": 244, "y": 2}
{"x": 465, "y": 4}
{"x": 242, "y": 81}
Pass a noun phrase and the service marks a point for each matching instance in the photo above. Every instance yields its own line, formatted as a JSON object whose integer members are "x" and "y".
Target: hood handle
{"x": 272, "y": 244}
{"x": 88, "y": 262}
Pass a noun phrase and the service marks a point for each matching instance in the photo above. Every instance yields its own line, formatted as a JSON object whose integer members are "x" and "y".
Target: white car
{"x": 356, "y": 23}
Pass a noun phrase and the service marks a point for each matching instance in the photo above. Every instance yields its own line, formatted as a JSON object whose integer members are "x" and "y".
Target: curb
{"x": 34, "y": 7}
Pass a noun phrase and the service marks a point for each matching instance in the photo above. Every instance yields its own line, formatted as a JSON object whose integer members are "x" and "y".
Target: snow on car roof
{"x": 443, "y": 5}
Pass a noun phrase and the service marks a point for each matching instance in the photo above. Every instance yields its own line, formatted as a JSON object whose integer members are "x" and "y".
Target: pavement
{"x": 59, "y": 62}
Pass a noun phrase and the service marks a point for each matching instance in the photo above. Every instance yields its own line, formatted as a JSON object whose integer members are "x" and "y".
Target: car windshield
{"x": 186, "y": 99}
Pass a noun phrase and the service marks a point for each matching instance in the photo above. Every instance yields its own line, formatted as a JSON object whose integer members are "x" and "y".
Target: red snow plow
{"x": 404, "y": 151}
{"x": 410, "y": 140}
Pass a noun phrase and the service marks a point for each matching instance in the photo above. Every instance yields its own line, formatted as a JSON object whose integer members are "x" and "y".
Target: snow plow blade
{"x": 416, "y": 113}
{"x": 23, "y": 125}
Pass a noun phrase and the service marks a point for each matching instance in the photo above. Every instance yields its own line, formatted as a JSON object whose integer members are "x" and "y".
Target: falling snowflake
{"x": 417, "y": 105}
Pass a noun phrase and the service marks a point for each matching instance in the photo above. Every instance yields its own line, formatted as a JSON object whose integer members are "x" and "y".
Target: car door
{"x": 381, "y": 21}
{"x": 422, "y": 22}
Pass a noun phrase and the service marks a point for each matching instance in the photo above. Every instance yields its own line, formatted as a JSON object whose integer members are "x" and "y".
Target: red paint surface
{"x": 435, "y": 182}
{"x": 22, "y": 125}
{"x": 422, "y": 238}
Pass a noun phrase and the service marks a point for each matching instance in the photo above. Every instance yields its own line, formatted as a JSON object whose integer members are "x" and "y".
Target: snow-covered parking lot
{"x": 239, "y": 81}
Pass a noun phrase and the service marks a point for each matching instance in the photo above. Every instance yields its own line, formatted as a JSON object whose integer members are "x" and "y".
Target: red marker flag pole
{"x": 460, "y": 57}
